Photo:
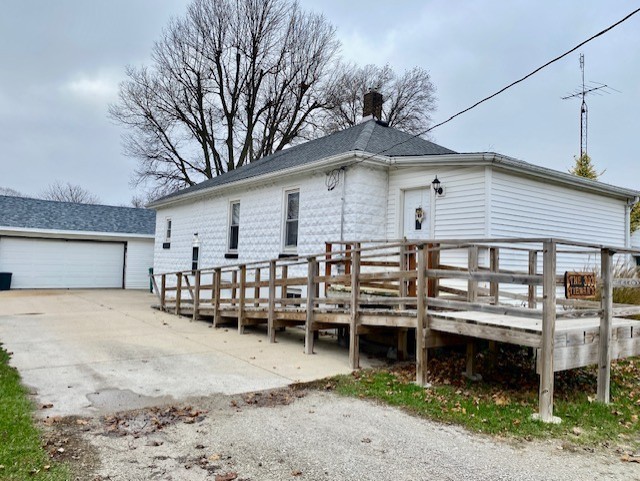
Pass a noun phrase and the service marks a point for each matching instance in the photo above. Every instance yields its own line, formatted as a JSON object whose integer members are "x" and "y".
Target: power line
{"x": 602, "y": 32}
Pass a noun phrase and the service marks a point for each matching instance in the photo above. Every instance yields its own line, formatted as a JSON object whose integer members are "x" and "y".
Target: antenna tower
{"x": 587, "y": 88}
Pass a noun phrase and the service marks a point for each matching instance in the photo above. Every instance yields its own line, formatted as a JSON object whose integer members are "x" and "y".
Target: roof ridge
{"x": 365, "y": 136}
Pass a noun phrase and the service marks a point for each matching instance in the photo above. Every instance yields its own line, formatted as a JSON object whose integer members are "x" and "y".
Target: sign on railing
{"x": 580, "y": 285}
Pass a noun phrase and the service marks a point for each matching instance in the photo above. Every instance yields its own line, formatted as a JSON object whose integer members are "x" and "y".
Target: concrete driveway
{"x": 95, "y": 351}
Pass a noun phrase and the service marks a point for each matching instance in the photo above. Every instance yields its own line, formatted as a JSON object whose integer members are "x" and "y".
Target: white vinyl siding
{"x": 62, "y": 264}
{"x": 524, "y": 207}
{"x": 459, "y": 213}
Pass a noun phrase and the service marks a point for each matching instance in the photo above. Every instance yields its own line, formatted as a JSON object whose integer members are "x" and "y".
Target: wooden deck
{"x": 424, "y": 288}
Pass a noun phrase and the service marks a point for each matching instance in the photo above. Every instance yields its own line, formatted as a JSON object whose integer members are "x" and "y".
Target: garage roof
{"x": 50, "y": 215}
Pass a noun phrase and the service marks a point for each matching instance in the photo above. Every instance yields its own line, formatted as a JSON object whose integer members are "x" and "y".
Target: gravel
{"x": 323, "y": 436}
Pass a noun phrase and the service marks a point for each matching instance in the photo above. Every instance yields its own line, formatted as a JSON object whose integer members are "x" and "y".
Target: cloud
{"x": 99, "y": 88}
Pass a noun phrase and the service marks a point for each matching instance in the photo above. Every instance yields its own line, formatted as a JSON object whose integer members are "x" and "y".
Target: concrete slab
{"x": 96, "y": 351}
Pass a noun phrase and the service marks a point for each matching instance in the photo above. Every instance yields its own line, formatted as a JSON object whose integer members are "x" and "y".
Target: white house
{"x": 371, "y": 182}
{"x": 46, "y": 244}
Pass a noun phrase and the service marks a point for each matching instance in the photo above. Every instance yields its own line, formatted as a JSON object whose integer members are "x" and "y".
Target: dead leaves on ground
{"x": 279, "y": 397}
{"x": 147, "y": 421}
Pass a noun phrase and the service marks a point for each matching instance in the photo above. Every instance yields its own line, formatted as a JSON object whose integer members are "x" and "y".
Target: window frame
{"x": 168, "y": 226}
{"x": 286, "y": 221}
{"x": 231, "y": 225}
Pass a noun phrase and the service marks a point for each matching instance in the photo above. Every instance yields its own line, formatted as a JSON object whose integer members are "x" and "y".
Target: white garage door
{"x": 53, "y": 263}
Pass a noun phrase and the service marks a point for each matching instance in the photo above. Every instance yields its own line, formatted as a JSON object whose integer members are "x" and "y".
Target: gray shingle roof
{"x": 50, "y": 215}
{"x": 371, "y": 136}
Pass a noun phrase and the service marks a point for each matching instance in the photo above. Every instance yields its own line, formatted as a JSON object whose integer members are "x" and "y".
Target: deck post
{"x": 494, "y": 266}
{"x": 283, "y": 288}
{"x": 196, "y": 295}
{"x": 421, "y": 314}
{"x": 545, "y": 396}
{"x": 472, "y": 285}
{"x": 533, "y": 270}
{"x": 241, "y": 298}
{"x": 433, "y": 261}
{"x": 327, "y": 265}
{"x": 604, "y": 345}
{"x": 215, "y": 297}
{"x": 163, "y": 292}
{"x": 411, "y": 261}
{"x": 347, "y": 259}
{"x": 178, "y": 292}
{"x": 271, "y": 319}
{"x": 234, "y": 282}
{"x": 401, "y": 344}
{"x": 354, "y": 338}
{"x": 256, "y": 290}
{"x": 472, "y": 296}
{"x": 312, "y": 272}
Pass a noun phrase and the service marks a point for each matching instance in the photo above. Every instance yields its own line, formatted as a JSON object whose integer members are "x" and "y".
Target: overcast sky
{"x": 61, "y": 62}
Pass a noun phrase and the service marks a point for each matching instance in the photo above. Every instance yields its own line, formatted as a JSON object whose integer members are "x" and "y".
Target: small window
{"x": 194, "y": 258}
{"x": 291, "y": 219}
{"x": 167, "y": 235}
{"x": 234, "y": 226}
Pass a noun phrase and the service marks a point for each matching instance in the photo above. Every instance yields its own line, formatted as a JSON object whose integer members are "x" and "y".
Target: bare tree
{"x": 140, "y": 201}
{"x": 67, "y": 192}
{"x": 230, "y": 82}
{"x": 409, "y": 99}
{"x": 11, "y": 192}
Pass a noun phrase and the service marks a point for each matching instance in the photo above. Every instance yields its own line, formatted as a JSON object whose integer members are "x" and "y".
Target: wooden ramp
{"x": 444, "y": 291}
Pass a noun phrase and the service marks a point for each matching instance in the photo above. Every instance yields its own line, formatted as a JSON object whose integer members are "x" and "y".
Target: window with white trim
{"x": 234, "y": 226}
{"x": 292, "y": 212}
{"x": 167, "y": 232}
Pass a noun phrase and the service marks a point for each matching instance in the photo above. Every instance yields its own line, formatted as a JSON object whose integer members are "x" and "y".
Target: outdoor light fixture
{"x": 436, "y": 186}
{"x": 196, "y": 240}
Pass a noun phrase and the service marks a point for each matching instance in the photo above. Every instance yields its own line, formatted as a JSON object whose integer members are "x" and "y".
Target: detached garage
{"x": 64, "y": 245}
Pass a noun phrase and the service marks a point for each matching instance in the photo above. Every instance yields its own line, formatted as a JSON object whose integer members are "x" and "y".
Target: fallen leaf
{"x": 630, "y": 459}
{"x": 226, "y": 477}
{"x": 46, "y": 406}
{"x": 296, "y": 472}
{"x": 366, "y": 440}
{"x": 214, "y": 457}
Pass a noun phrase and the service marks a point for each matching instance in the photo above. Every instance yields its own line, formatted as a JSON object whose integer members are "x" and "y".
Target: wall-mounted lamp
{"x": 196, "y": 240}
{"x": 437, "y": 188}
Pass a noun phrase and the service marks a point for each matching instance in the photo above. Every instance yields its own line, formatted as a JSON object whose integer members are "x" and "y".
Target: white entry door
{"x": 416, "y": 218}
{"x": 59, "y": 263}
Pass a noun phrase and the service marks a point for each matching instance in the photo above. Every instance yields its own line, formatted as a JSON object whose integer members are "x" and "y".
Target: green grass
{"x": 21, "y": 453}
{"x": 502, "y": 404}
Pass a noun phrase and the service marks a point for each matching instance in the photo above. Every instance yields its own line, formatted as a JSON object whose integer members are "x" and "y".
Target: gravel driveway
{"x": 323, "y": 436}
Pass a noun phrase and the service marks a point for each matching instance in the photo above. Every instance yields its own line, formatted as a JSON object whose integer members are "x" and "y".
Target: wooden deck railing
{"x": 447, "y": 290}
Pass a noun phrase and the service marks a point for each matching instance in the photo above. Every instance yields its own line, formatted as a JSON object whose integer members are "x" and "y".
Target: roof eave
{"x": 61, "y": 233}
{"x": 511, "y": 164}
{"x": 328, "y": 162}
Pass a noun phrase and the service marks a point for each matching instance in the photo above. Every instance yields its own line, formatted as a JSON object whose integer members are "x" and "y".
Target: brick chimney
{"x": 372, "y": 105}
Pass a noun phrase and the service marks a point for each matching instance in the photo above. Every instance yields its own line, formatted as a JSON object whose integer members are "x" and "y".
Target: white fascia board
{"x": 71, "y": 234}
{"x": 524, "y": 168}
{"x": 329, "y": 162}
